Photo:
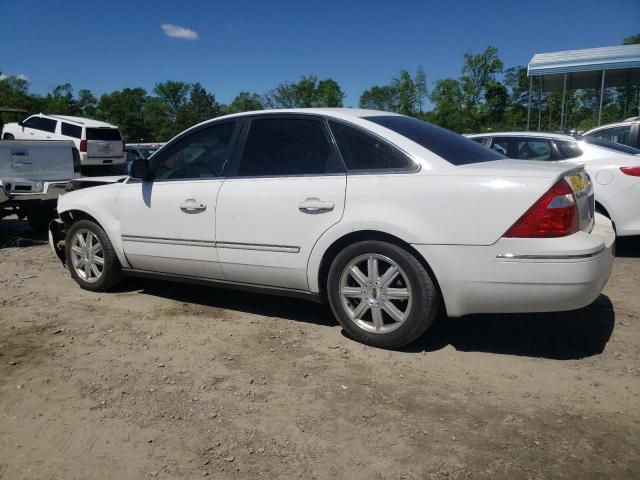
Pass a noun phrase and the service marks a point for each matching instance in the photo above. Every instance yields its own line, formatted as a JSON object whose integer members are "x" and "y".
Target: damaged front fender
{"x": 57, "y": 235}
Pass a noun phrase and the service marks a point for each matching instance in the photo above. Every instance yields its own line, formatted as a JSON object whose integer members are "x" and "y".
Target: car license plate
{"x": 104, "y": 147}
{"x": 577, "y": 182}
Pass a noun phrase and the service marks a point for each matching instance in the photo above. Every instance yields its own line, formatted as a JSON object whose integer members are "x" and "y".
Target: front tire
{"x": 91, "y": 258}
{"x": 8, "y": 136}
{"x": 381, "y": 294}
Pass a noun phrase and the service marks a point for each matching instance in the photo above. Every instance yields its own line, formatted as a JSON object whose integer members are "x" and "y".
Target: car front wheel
{"x": 90, "y": 257}
{"x": 381, "y": 294}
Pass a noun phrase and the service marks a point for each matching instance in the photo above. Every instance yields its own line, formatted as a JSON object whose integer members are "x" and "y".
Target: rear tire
{"x": 8, "y": 136}
{"x": 91, "y": 258}
{"x": 381, "y": 294}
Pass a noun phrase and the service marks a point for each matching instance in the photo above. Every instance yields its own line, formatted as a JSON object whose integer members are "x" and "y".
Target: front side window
{"x": 48, "y": 125}
{"x": 287, "y": 146}
{"x": 568, "y": 149}
{"x": 201, "y": 154}
{"x": 615, "y": 134}
{"x": 364, "y": 152}
{"x": 522, "y": 148}
{"x": 70, "y": 130}
{"x": 33, "y": 122}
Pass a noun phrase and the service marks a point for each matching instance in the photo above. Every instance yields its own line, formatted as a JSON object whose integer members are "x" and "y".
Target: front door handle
{"x": 315, "y": 205}
{"x": 192, "y": 206}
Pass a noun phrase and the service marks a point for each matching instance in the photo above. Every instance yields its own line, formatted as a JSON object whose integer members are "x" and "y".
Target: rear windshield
{"x": 618, "y": 147}
{"x": 454, "y": 148}
{"x": 105, "y": 134}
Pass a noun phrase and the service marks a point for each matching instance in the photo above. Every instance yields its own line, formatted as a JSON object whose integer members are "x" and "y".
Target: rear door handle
{"x": 192, "y": 206}
{"x": 315, "y": 205}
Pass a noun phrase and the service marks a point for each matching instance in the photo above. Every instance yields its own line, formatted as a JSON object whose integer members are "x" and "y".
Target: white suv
{"x": 99, "y": 143}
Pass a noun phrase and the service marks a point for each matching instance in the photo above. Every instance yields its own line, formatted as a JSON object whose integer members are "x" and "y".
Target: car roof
{"x": 556, "y": 136}
{"x": 329, "y": 112}
{"x": 86, "y": 122}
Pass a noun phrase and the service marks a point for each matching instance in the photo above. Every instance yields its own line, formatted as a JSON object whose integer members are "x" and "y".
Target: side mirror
{"x": 140, "y": 169}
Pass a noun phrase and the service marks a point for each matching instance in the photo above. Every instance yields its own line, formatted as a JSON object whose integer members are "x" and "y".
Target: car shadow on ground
{"x": 556, "y": 335}
{"x": 628, "y": 247}
{"x": 18, "y": 233}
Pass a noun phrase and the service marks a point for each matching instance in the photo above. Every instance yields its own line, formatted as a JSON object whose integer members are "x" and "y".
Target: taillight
{"x": 555, "y": 214}
{"x": 633, "y": 171}
{"x": 83, "y": 145}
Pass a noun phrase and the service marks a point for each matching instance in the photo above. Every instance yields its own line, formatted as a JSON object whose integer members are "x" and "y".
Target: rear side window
{"x": 104, "y": 134}
{"x": 361, "y": 151}
{"x": 618, "y": 147}
{"x": 522, "y": 148}
{"x": 454, "y": 148}
{"x": 48, "y": 125}
{"x": 614, "y": 134}
{"x": 568, "y": 149}
{"x": 287, "y": 146}
{"x": 70, "y": 130}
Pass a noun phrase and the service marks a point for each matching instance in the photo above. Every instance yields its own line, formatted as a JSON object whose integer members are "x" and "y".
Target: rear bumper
{"x": 524, "y": 275}
{"x": 50, "y": 191}
{"x": 87, "y": 160}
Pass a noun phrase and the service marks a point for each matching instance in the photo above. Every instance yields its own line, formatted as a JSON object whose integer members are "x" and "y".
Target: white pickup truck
{"x": 32, "y": 176}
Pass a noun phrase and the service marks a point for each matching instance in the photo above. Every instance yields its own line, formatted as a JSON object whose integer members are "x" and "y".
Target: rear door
{"x": 285, "y": 189}
{"x": 103, "y": 142}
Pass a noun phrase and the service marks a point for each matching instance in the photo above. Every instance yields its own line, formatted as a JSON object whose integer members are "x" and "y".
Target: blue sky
{"x": 254, "y": 45}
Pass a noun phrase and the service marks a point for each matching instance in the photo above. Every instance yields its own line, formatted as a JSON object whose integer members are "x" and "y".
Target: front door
{"x": 285, "y": 189}
{"x": 168, "y": 224}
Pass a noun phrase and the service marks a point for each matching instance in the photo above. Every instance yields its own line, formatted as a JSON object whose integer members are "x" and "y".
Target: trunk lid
{"x": 36, "y": 160}
{"x": 103, "y": 142}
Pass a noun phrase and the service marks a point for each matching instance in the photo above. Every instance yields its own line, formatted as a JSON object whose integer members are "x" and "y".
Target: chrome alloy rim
{"x": 376, "y": 293}
{"x": 87, "y": 256}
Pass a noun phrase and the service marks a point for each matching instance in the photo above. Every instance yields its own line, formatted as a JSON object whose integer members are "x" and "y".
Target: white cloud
{"x": 22, "y": 76}
{"x": 176, "y": 31}
{"x": 2, "y": 76}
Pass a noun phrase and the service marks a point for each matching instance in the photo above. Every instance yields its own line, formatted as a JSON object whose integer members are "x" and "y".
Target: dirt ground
{"x": 161, "y": 380}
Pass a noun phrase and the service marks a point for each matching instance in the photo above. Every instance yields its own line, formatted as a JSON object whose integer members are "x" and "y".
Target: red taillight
{"x": 633, "y": 171}
{"x": 554, "y": 215}
{"x": 83, "y": 145}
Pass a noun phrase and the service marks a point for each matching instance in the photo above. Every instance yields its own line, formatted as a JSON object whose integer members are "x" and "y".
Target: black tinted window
{"x": 71, "y": 130}
{"x": 104, "y": 134}
{"x": 361, "y": 151}
{"x": 33, "y": 122}
{"x": 618, "y": 147}
{"x": 201, "y": 154}
{"x": 452, "y": 147}
{"x": 522, "y": 148}
{"x": 48, "y": 125}
{"x": 287, "y": 146}
{"x": 614, "y": 134}
{"x": 568, "y": 149}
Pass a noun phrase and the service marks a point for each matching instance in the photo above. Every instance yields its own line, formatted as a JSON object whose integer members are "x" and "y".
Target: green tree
{"x": 305, "y": 93}
{"x": 156, "y": 121}
{"x": 478, "y": 73}
{"x": 125, "y": 108}
{"x": 245, "y": 102}
{"x": 201, "y": 106}
{"x": 420, "y": 81}
{"x": 406, "y": 93}
{"x": 60, "y": 101}
{"x": 173, "y": 94}
{"x": 86, "y": 103}
{"x": 447, "y": 97}
{"x": 380, "y": 98}
{"x": 329, "y": 94}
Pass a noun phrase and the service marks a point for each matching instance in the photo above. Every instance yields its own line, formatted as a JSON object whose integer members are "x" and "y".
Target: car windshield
{"x": 454, "y": 148}
{"x": 104, "y": 134}
{"x": 618, "y": 147}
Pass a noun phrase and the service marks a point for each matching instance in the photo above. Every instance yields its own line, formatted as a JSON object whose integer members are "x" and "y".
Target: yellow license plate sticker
{"x": 577, "y": 182}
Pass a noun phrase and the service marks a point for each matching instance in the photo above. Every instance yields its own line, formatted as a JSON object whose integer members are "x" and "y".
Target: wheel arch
{"x": 362, "y": 235}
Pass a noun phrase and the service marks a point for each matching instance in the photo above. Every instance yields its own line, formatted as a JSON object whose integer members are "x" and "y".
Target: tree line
{"x": 485, "y": 97}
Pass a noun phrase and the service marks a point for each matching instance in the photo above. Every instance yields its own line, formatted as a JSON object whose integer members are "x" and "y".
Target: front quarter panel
{"x": 101, "y": 203}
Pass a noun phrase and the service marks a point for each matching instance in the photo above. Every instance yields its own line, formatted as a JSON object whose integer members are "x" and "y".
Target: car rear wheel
{"x": 381, "y": 294}
{"x": 8, "y": 136}
{"x": 91, "y": 258}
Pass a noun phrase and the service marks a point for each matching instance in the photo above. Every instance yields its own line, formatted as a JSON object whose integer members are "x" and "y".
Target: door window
{"x": 522, "y": 148}
{"x": 33, "y": 122}
{"x": 615, "y": 134}
{"x": 361, "y": 151}
{"x": 48, "y": 125}
{"x": 201, "y": 154}
{"x": 287, "y": 146}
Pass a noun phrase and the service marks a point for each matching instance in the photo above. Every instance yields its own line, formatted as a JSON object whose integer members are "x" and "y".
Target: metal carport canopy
{"x": 587, "y": 68}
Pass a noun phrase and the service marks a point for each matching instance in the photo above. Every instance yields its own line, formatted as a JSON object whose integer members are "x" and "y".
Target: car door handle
{"x": 315, "y": 205}
{"x": 192, "y": 206}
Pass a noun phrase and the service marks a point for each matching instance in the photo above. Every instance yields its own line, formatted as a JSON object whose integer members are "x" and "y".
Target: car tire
{"x": 387, "y": 309}
{"x": 94, "y": 268}
{"x": 8, "y": 136}
{"x": 39, "y": 218}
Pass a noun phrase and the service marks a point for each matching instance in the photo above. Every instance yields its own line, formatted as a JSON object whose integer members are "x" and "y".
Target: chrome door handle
{"x": 192, "y": 206}
{"x": 315, "y": 205}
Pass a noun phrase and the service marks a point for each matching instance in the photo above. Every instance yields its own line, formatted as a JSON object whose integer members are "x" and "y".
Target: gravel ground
{"x": 161, "y": 380}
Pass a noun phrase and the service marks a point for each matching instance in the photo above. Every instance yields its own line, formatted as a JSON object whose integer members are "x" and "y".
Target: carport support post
{"x": 601, "y": 99}
{"x": 564, "y": 93}
{"x": 540, "y": 106}
{"x": 529, "y": 104}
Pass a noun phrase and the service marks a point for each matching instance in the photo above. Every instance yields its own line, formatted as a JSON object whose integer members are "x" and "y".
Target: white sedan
{"x": 614, "y": 168}
{"x": 387, "y": 217}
